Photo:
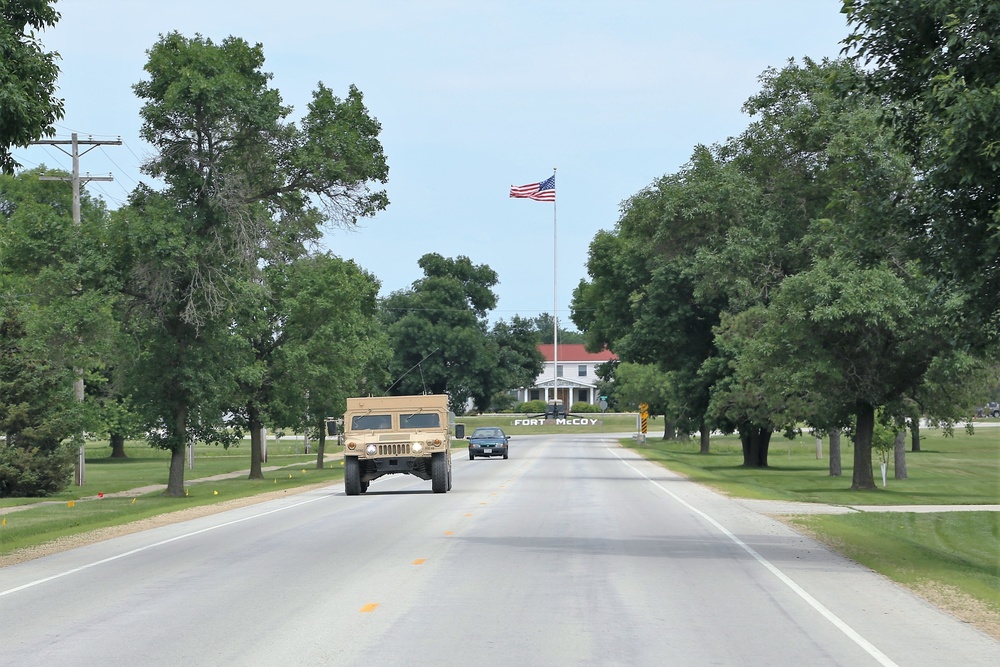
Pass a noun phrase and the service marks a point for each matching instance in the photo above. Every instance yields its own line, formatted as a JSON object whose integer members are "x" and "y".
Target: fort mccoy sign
{"x": 572, "y": 421}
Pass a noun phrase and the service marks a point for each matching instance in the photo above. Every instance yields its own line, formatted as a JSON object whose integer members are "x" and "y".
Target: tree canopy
{"x": 28, "y": 105}
{"x": 245, "y": 189}
{"x": 937, "y": 66}
{"x": 774, "y": 277}
{"x": 441, "y": 340}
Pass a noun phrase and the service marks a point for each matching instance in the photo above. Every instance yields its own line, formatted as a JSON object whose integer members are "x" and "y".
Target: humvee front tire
{"x": 352, "y": 476}
{"x": 439, "y": 472}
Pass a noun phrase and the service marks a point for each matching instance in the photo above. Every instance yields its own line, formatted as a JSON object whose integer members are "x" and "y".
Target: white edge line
{"x": 153, "y": 546}
{"x": 785, "y": 579}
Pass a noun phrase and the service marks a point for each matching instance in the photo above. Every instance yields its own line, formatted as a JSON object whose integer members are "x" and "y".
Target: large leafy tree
{"x": 794, "y": 236}
{"x": 439, "y": 333}
{"x": 245, "y": 188}
{"x": 936, "y": 65}
{"x": 851, "y": 324}
{"x": 316, "y": 343}
{"x": 28, "y": 105}
{"x": 644, "y": 301}
{"x": 544, "y": 326}
{"x": 51, "y": 278}
{"x": 518, "y": 362}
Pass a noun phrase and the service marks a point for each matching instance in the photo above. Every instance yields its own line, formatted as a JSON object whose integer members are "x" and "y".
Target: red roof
{"x": 575, "y": 352}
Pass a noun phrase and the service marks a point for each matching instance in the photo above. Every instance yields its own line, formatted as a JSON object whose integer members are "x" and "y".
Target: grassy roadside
{"x": 107, "y": 498}
{"x": 959, "y": 470}
{"x": 950, "y": 558}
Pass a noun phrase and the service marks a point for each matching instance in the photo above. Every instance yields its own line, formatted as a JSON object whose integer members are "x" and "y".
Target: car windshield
{"x": 487, "y": 433}
{"x": 420, "y": 420}
{"x": 371, "y": 422}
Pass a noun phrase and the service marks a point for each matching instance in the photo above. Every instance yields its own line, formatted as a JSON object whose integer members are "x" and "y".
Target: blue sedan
{"x": 488, "y": 441}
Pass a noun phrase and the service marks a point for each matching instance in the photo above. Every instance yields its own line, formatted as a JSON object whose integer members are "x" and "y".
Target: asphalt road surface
{"x": 572, "y": 552}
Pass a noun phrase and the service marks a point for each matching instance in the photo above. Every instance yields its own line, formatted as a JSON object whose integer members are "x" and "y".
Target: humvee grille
{"x": 394, "y": 449}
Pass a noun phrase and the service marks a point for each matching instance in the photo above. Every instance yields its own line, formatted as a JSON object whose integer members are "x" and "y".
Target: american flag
{"x": 544, "y": 191}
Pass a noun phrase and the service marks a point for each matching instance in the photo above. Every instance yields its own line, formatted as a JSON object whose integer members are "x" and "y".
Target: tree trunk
{"x": 864, "y": 480}
{"x": 899, "y": 456}
{"x": 118, "y": 446}
{"x": 256, "y": 446}
{"x": 175, "y": 482}
{"x": 321, "y": 450}
{"x": 756, "y": 441}
{"x": 705, "y": 436}
{"x": 915, "y": 434}
{"x": 835, "y": 468}
{"x": 669, "y": 430}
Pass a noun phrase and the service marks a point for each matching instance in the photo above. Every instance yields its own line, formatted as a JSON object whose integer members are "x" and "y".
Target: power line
{"x": 76, "y": 179}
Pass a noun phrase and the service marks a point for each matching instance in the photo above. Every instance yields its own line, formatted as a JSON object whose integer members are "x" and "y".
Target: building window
{"x": 534, "y": 395}
{"x": 581, "y": 370}
{"x": 559, "y": 370}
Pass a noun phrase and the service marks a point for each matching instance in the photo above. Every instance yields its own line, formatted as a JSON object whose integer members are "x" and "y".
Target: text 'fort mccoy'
{"x": 570, "y": 422}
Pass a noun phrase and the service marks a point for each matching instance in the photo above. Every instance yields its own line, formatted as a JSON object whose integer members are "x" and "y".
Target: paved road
{"x": 572, "y": 552}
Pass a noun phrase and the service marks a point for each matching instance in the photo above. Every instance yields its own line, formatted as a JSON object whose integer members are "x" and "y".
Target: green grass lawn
{"x": 70, "y": 513}
{"x": 959, "y": 470}
{"x": 145, "y": 466}
{"x": 934, "y": 552}
{"x": 949, "y": 557}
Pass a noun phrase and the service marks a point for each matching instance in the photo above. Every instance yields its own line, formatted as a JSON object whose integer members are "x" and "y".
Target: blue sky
{"x": 473, "y": 96}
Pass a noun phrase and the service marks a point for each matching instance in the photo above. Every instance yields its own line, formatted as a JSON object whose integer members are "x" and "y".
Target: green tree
{"x": 544, "y": 326}
{"x": 518, "y": 362}
{"x": 244, "y": 189}
{"x": 28, "y": 106}
{"x": 936, "y": 67}
{"x": 326, "y": 345}
{"x": 438, "y": 331}
{"x": 644, "y": 300}
{"x": 55, "y": 271}
{"x": 852, "y": 324}
{"x": 38, "y": 413}
{"x": 645, "y": 383}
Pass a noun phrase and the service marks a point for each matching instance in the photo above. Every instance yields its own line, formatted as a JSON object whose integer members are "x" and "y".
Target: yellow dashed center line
{"x": 420, "y": 561}
{"x": 369, "y": 607}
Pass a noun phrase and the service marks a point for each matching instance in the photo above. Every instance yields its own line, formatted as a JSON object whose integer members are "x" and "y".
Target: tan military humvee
{"x": 387, "y": 435}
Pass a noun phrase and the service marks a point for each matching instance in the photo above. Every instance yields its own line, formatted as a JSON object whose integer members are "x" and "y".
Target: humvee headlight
{"x": 417, "y": 447}
{"x": 370, "y": 450}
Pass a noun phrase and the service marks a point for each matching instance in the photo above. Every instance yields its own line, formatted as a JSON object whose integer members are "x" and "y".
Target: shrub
{"x": 531, "y": 407}
{"x": 33, "y": 473}
{"x": 502, "y": 402}
{"x": 581, "y": 407}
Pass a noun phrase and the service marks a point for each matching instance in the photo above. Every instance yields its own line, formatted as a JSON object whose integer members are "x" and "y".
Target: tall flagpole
{"x": 555, "y": 316}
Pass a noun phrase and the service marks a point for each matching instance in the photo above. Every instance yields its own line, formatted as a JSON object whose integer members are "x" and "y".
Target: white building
{"x": 575, "y": 379}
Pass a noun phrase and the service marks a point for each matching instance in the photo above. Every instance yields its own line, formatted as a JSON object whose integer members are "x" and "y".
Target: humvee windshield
{"x": 420, "y": 420}
{"x": 371, "y": 422}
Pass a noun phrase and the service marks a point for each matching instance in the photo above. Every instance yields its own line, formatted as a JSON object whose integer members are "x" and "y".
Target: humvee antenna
{"x": 411, "y": 368}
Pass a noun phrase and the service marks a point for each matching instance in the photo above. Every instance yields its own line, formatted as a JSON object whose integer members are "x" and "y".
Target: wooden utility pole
{"x": 74, "y": 142}
{"x": 75, "y": 153}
